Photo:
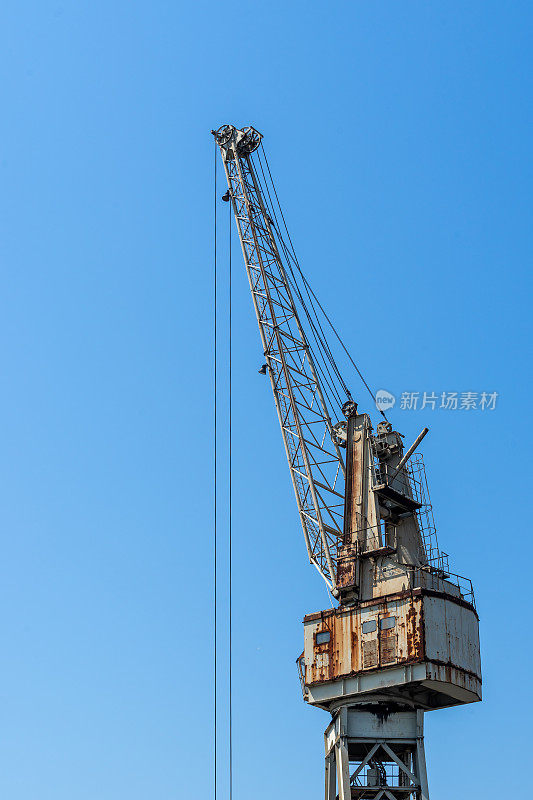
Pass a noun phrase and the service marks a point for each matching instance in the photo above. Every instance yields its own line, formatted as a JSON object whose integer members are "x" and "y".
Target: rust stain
{"x": 346, "y": 567}
{"x": 414, "y": 632}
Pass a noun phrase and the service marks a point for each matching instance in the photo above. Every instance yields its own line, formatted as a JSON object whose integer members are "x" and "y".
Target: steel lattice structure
{"x": 404, "y": 638}
{"x": 315, "y": 460}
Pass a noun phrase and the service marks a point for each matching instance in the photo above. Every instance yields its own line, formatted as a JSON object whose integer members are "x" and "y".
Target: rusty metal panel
{"x": 357, "y": 640}
{"x": 421, "y": 638}
{"x": 370, "y": 653}
{"x": 388, "y": 647}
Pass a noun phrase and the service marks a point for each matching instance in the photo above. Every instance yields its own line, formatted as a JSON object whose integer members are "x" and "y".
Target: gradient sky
{"x": 399, "y": 137}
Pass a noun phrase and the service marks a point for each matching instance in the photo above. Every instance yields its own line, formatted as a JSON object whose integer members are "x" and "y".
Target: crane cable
{"x": 309, "y": 289}
{"x": 294, "y": 258}
{"x": 323, "y": 347}
{"x": 329, "y": 389}
{"x": 215, "y": 541}
{"x": 215, "y": 698}
{"x": 230, "y": 541}
{"x": 320, "y": 338}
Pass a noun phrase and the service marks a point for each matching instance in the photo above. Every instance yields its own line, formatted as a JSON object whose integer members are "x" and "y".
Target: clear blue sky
{"x": 399, "y": 136}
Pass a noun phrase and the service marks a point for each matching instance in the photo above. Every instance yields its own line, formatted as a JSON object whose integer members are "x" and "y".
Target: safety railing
{"x": 370, "y": 538}
{"x": 411, "y": 482}
{"x": 441, "y": 580}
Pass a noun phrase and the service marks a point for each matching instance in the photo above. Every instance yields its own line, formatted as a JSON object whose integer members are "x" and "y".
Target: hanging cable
{"x": 323, "y": 352}
{"x": 215, "y": 480}
{"x": 371, "y": 393}
{"x": 294, "y": 258}
{"x": 215, "y": 539}
{"x": 230, "y": 543}
{"x": 321, "y": 339}
{"x": 310, "y": 290}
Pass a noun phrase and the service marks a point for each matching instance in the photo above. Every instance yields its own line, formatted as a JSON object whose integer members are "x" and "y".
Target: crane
{"x": 403, "y": 637}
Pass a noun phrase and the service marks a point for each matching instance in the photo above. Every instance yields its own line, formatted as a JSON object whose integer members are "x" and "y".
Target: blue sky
{"x": 399, "y": 137}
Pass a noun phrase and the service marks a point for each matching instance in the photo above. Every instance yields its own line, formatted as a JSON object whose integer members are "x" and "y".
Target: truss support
{"x": 375, "y": 750}
{"x": 313, "y": 453}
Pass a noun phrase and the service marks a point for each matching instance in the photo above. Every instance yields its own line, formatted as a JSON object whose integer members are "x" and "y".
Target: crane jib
{"x": 313, "y": 453}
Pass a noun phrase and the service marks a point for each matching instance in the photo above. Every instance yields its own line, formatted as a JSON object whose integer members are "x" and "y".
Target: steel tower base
{"x": 375, "y": 750}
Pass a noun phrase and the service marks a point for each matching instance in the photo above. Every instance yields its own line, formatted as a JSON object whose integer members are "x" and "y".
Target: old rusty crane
{"x": 403, "y": 637}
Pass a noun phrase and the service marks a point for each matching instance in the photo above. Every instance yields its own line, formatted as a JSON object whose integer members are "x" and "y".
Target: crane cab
{"x": 420, "y": 645}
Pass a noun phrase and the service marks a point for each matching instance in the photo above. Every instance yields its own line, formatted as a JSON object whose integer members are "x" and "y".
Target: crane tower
{"x": 403, "y": 635}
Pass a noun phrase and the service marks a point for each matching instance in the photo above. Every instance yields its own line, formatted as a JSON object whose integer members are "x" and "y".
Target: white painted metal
{"x": 314, "y": 457}
{"x": 405, "y": 637}
{"x": 376, "y": 755}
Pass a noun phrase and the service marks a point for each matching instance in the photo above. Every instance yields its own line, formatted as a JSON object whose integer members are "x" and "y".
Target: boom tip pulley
{"x": 232, "y": 139}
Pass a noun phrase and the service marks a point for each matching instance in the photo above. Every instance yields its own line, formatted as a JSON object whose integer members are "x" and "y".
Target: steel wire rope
{"x": 215, "y": 536}
{"x": 322, "y": 349}
{"x": 295, "y": 259}
{"x": 322, "y": 339}
{"x": 321, "y": 344}
{"x": 215, "y": 698}
{"x": 318, "y": 355}
{"x": 330, "y": 384}
{"x": 230, "y": 532}
{"x": 310, "y": 290}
